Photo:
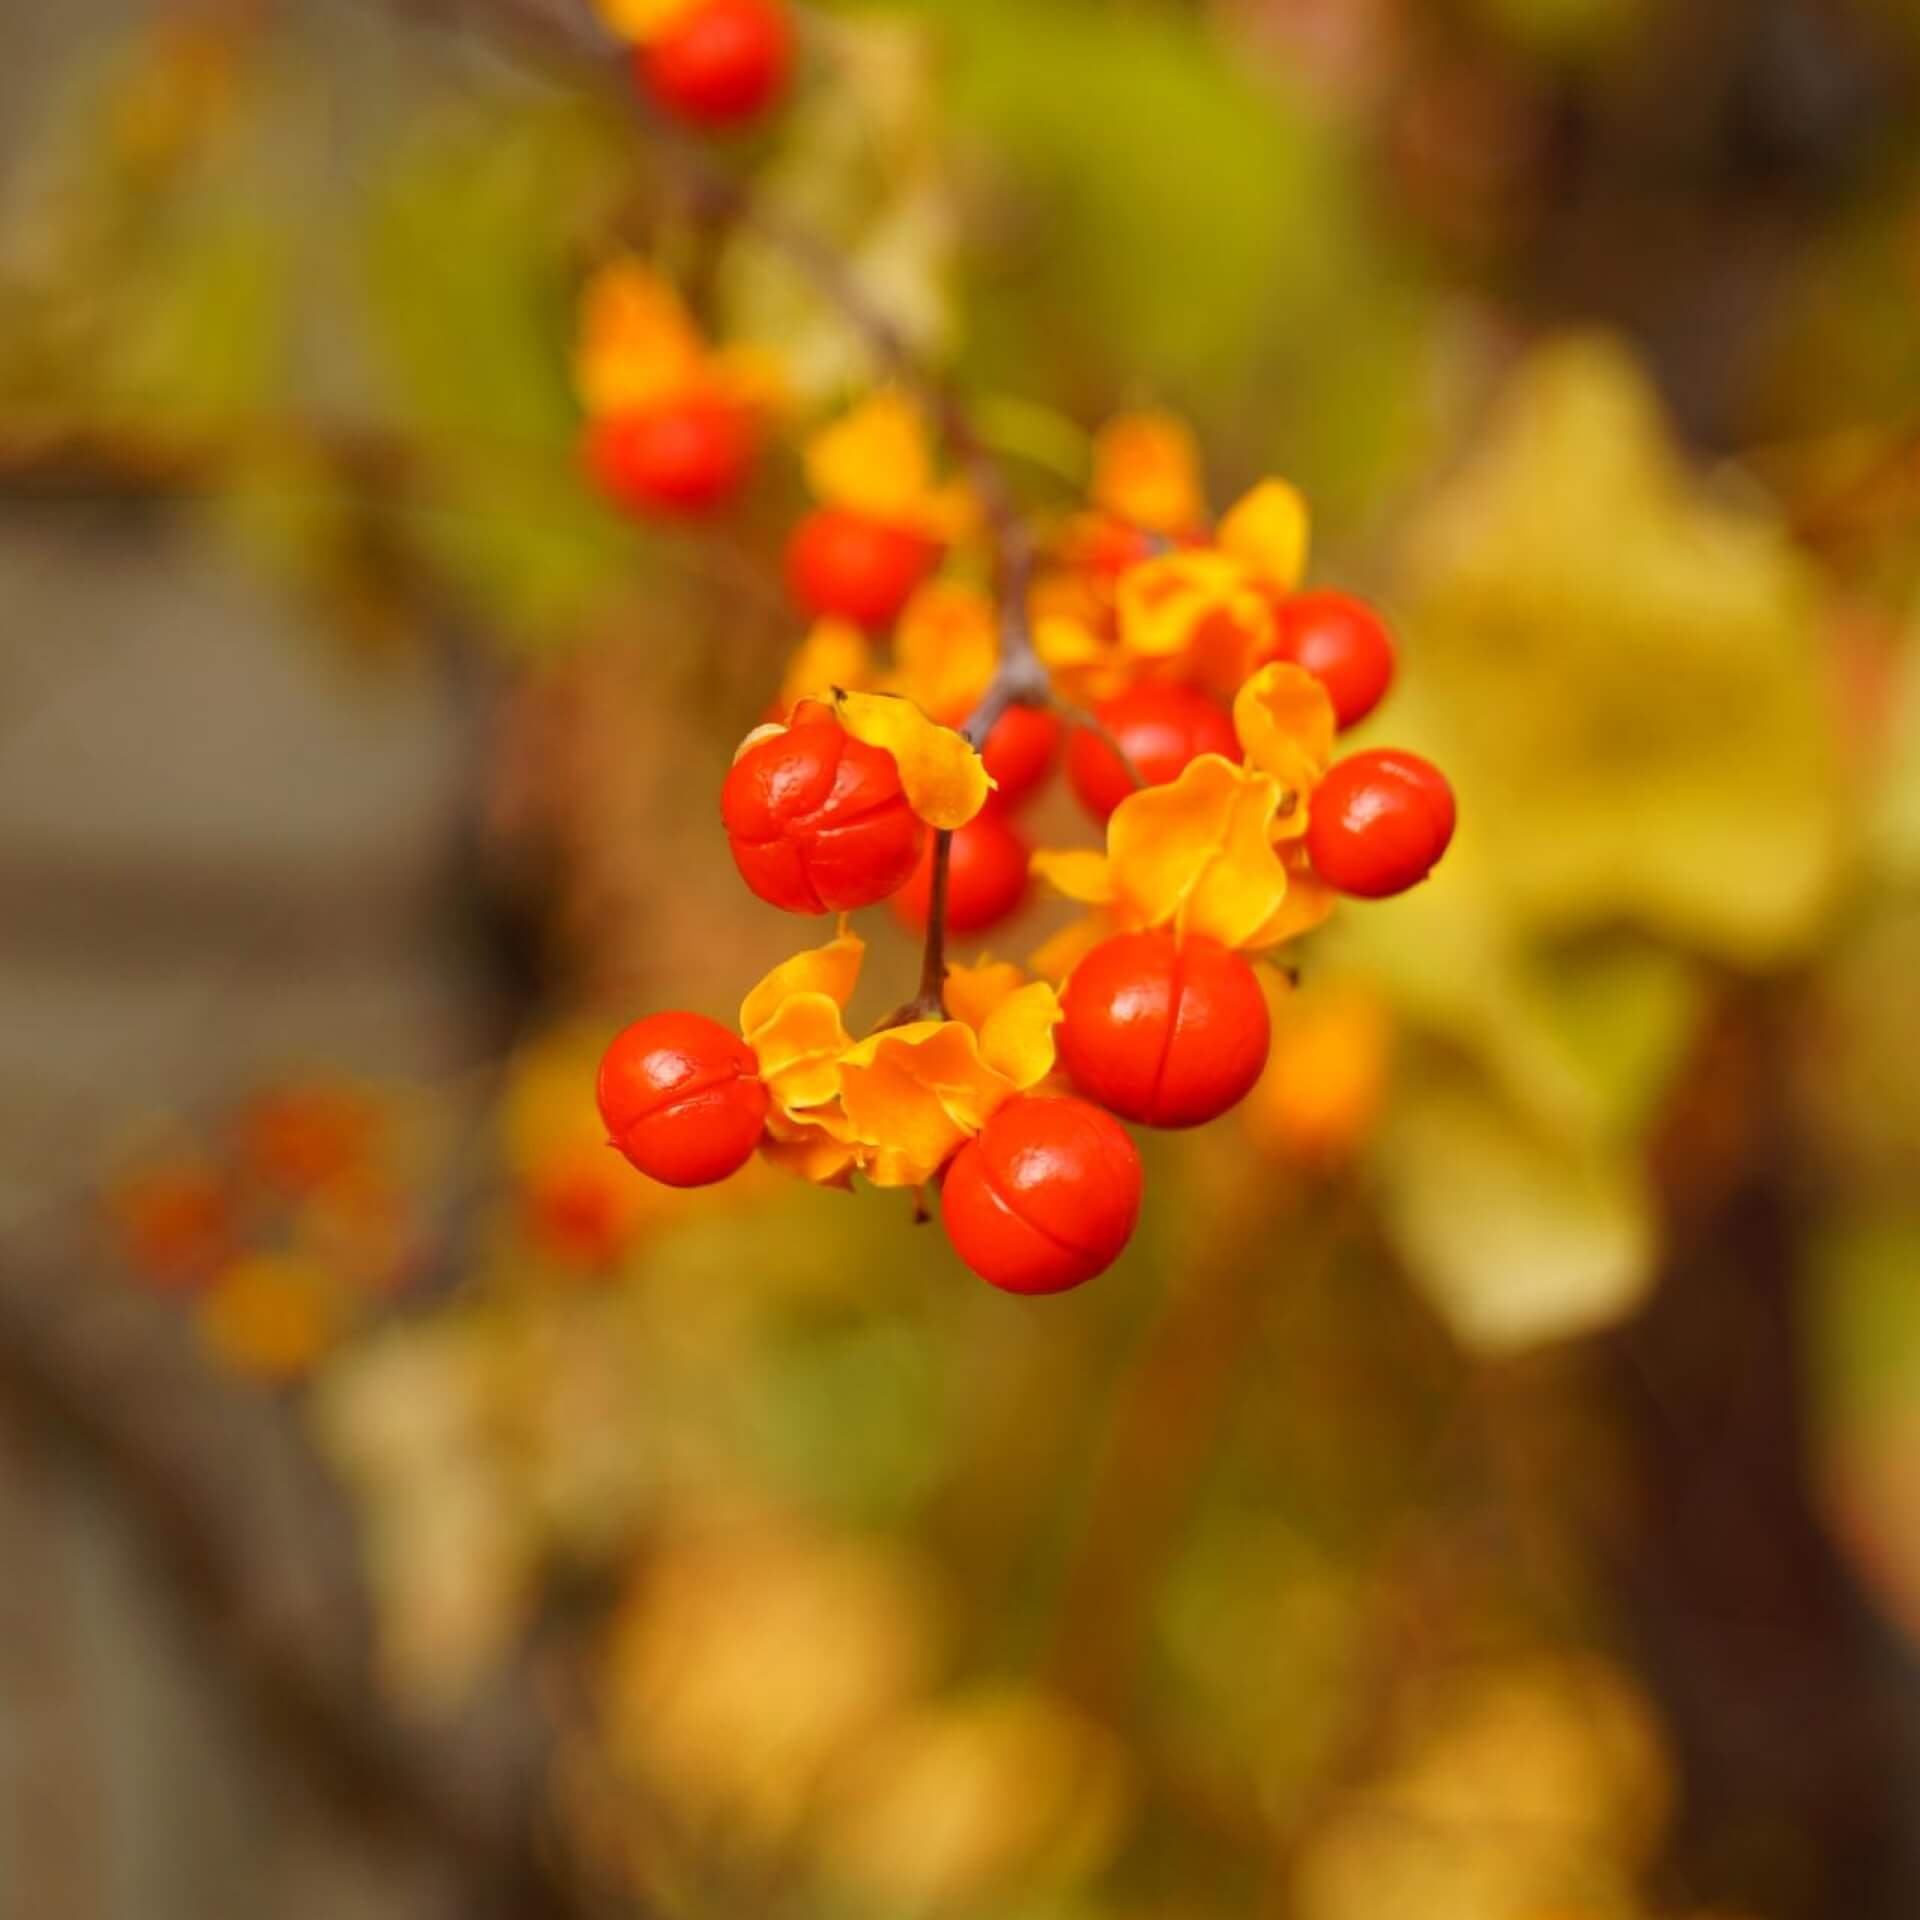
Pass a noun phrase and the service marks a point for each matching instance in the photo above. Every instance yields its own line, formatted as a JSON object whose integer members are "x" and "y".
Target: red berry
{"x": 986, "y": 877}
{"x": 1045, "y": 1198}
{"x": 1020, "y": 752}
{"x": 719, "y": 62}
{"x": 574, "y": 1214}
{"x": 846, "y": 566}
{"x": 1160, "y": 726}
{"x": 687, "y": 456}
{"x": 682, "y": 1098}
{"x": 1167, "y": 1032}
{"x": 817, "y": 820}
{"x": 1378, "y": 822}
{"x": 176, "y": 1223}
{"x": 1343, "y": 643}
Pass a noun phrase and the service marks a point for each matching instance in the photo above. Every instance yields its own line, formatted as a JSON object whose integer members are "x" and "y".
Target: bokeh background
{"x": 1489, "y": 1489}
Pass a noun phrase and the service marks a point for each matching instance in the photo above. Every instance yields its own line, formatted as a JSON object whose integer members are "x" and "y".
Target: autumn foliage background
{"x": 1489, "y": 1487}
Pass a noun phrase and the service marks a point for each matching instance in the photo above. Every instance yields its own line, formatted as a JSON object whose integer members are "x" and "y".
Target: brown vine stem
{"x": 568, "y": 34}
{"x": 1090, "y": 722}
{"x": 1020, "y": 678}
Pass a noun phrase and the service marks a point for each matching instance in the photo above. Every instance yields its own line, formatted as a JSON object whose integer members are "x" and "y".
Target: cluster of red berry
{"x": 1197, "y": 691}
{"x": 1159, "y": 1022}
{"x": 283, "y": 1232}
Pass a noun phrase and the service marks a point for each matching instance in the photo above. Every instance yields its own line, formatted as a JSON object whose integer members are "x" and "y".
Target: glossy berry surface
{"x": 817, "y": 821}
{"x": 1378, "y": 822}
{"x": 986, "y": 876}
{"x": 683, "y": 457}
{"x": 845, "y": 566}
{"x": 1020, "y": 752}
{"x": 1045, "y": 1198}
{"x": 1343, "y": 643}
{"x": 1170, "y": 1033}
{"x": 682, "y": 1098}
{"x": 718, "y": 63}
{"x": 1160, "y": 727}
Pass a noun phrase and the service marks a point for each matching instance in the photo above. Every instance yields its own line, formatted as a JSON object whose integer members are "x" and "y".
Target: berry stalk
{"x": 1021, "y": 678}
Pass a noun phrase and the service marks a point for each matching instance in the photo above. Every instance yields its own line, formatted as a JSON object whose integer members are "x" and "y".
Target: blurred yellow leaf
{"x": 876, "y": 460}
{"x": 946, "y": 647}
{"x": 749, "y": 1657}
{"x": 859, "y": 162}
{"x": 1896, "y": 819}
{"x": 1515, "y": 1234}
{"x": 965, "y": 1800}
{"x": 636, "y": 343}
{"x": 1267, "y": 531}
{"x": 271, "y": 1316}
{"x": 1526, "y": 1792}
{"x": 1621, "y": 670}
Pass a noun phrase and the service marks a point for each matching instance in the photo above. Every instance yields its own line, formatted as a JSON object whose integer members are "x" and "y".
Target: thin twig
{"x": 1090, "y": 722}
{"x": 1020, "y": 678}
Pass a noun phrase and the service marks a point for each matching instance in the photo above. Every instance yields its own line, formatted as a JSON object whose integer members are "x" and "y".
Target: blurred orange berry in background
{"x": 986, "y": 877}
{"x": 173, "y": 1221}
{"x": 299, "y": 1140}
{"x": 1326, "y": 1074}
{"x": 1146, "y": 472}
{"x": 272, "y": 1317}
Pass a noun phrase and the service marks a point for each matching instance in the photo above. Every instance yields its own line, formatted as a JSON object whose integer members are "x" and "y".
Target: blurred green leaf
{"x": 205, "y": 332}
{"x": 146, "y": 280}
{"x": 1582, "y": 1036}
{"x": 1625, "y": 1011}
{"x": 470, "y": 274}
{"x": 1154, "y": 221}
{"x": 1865, "y": 1322}
{"x": 848, "y": 1419}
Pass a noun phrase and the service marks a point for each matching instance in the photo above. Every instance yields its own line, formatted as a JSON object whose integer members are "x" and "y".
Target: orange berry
{"x": 817, "y": 820}
{"x": 719, "y": 62}
{"x": 846, "y": 566}
{"x": 1160, "y": 726}
{"x": 1342, "y": 642}
{"x": 1378, "y": 822}
{"x": 302, "y": 1139}
{"x": 1167, "y": 1032}
{"x": 174, "y": 1222}
{"x": 682, "y": 1098}
{"x": 986, "y": 877}
{"x": 683, "y": 457}
{"x": 1045, "y": 1198}
{"x": 1020, "y": 752}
